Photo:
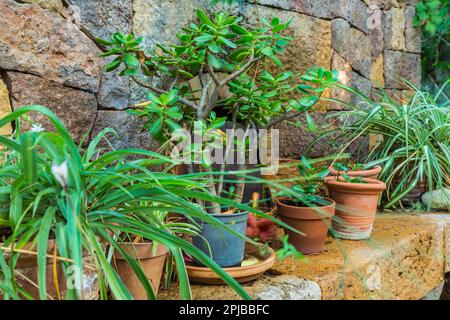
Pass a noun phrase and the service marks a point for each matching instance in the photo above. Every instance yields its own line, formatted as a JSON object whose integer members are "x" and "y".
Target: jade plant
{"x": 215, "y": 73}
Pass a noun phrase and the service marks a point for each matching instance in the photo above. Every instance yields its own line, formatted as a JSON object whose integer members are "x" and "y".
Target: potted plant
{"x": 67, "y": 207}
{"x": 358, "y": 170}
{"x": 413, "y": 146}
{"x": 215, "y": 69}
{"x": 304, "y": 210}
{"x": 356, "y": 203}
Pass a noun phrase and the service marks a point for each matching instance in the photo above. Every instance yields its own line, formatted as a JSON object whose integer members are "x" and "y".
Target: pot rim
{"x": 160, "y": 251}
{"x": 361, "y": 173}
{"x": 271, "y": 255}
{"x": 332, "y": 203}
{"x": 371, "y": 185}
{"x": 306, "y": 213}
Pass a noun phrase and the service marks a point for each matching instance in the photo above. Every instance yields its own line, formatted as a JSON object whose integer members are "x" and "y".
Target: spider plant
{"x": 415, "y": 139}
{"x": 50, "y": 188}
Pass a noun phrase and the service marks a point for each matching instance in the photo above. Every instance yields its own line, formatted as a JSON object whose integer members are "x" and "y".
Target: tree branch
{"x": 234, "y": 75}
{"x": 202, "y": 103}
{"x": 160, "y": 91}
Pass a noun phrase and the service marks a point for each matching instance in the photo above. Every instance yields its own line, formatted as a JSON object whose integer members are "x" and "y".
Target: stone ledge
{"x": 404, "y": 259}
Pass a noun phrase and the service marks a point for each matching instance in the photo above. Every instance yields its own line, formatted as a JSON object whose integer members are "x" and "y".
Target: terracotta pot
{"x": 152, "y": 264}
{"x": 356, "y": 206}
{"x": 312, "y": 221}
{"x": 370, "y": 173}
{"x": 27, "y": 266}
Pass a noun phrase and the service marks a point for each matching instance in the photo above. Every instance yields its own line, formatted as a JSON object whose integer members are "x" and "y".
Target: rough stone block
{"x": 353, "y": 45}
{"x": 75, "y": 108}
{"x": 295, "y": 139}
{"x": 376, "y": 24}
{"x": 128, "y": 128}
{"x": 394, "y": 34}
{"x": 412, "y": 34}
{"x": 101, "y": 19}
{"x": 401, "y": 64}
{"x": 41, "y": 42}
{"x": 350, "y": 78}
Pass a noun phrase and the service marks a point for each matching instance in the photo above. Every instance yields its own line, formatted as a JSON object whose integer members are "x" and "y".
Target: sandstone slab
{"x": 75, "y": 108}
{"x": 128, "y": 128}
{"x": 401, "y": 65}
{"x": 403, "y": 259}
{"x": 395, "y": 24}
{"x": 43, "y": 43}
{"x": 377, "y": 72}
{"x": 5, "y": 107}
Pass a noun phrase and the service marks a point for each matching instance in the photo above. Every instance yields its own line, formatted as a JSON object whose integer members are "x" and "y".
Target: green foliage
{"x": 308, "y": 187}
{"x": 86, "y": 198}
{"x": 342, "y": 170}
{"x": 288, "y": 250}
{"x": 227, "y": 60}
{"x": 434, "y": 18}
{"x": 219, "y": 44}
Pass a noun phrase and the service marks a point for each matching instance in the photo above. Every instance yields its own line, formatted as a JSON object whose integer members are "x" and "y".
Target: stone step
{"x": 405, "y": 258}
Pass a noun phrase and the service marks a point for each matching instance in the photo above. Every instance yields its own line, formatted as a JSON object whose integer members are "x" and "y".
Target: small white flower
{"x": 61, "y": 174}
{"x": 37, "y": 127}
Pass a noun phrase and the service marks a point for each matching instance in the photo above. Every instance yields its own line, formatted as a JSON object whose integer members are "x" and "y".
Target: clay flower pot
{"x": 356, "y": 206}
{"x": 312, "y": 221}
{"x": 28, "y": 267}
{"x": 370, "y": 173}
{"x": 152, "y": 264}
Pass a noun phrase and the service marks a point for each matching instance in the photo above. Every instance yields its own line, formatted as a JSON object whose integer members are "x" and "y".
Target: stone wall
{"x": 48, "y": 56}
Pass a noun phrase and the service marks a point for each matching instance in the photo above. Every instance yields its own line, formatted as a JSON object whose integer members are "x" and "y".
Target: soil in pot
{"x": 152, "y": 263}
{"x": 313, "y": 222}
{"x": 356, "y": 206}
{"x": 227, "y": 249}
{"x": 369, "y": 173}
